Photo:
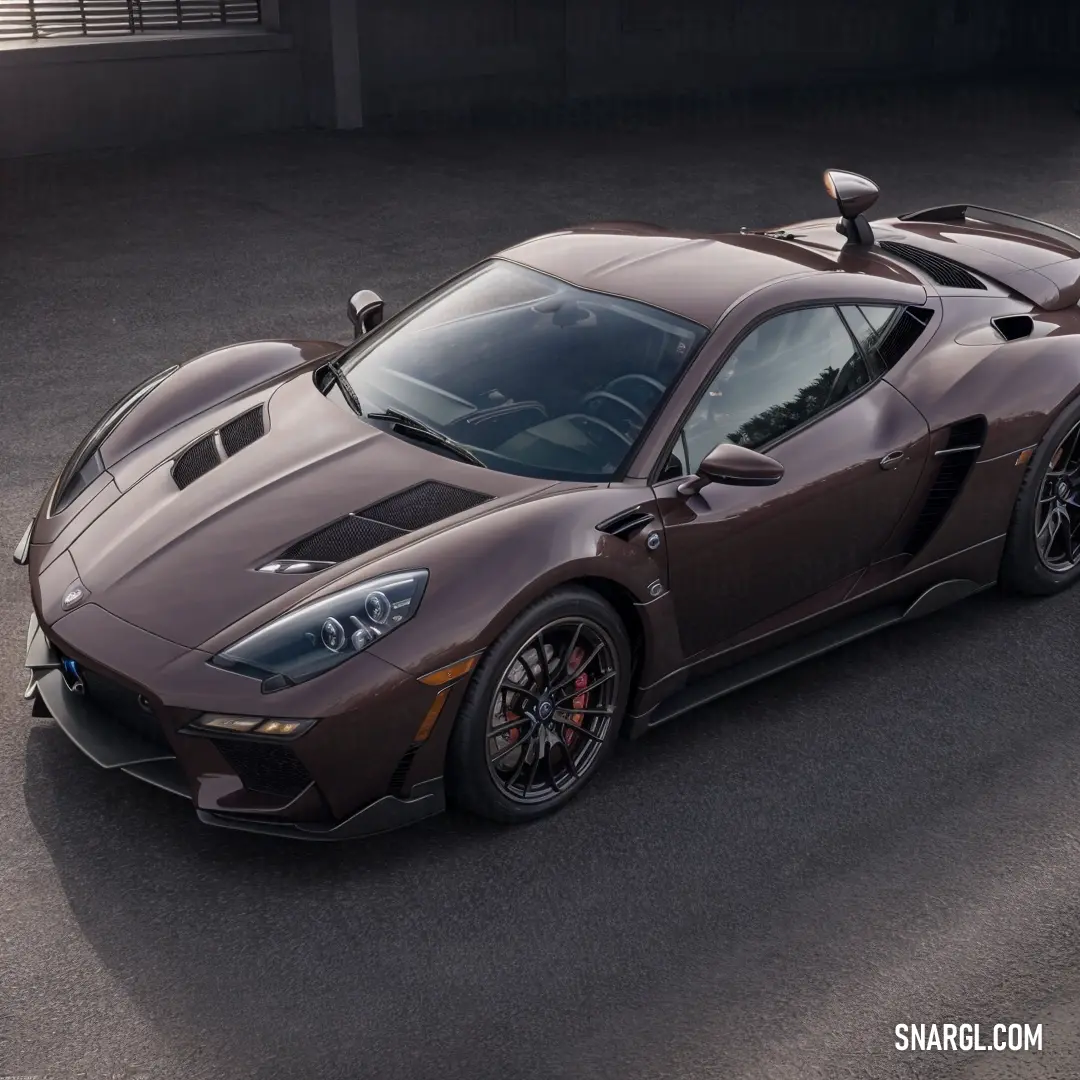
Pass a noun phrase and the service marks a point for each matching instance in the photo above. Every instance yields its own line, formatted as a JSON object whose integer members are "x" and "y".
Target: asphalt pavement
{"x": 763, "y": 889}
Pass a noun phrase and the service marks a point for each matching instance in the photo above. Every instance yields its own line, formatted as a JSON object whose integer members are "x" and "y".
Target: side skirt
{"x": 938, "y": 596}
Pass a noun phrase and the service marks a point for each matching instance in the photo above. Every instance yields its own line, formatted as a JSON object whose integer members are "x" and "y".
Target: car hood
{"x": 183, "y": 561}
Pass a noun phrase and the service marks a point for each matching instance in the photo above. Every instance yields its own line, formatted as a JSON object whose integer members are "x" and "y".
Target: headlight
{"x": 86, "y": 465}
{"x": 319, "y": 636}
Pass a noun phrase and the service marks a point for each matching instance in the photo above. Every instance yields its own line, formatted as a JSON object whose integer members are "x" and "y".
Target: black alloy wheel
{"x": 543, "y": 709}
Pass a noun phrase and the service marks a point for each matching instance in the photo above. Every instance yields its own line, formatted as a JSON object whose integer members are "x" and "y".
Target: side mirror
{"x": 365, "y": 311}
{"x": 736, "y": 466}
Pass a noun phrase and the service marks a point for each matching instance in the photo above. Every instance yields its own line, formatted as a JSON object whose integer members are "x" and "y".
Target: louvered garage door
{"x": 83, "y": 18}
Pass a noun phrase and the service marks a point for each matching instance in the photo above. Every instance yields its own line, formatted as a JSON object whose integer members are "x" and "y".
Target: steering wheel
{"x": 610, "y": 428}
{"x": 636, "y": 415}
{"x": 633, "y": 376}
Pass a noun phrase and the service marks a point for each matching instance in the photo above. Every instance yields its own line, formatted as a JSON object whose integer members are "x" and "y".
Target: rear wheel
{"x": 1042, "y": 550}
{"x": 543, "y": 709}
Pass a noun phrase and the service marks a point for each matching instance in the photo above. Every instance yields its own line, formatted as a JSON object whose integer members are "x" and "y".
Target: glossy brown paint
{"x": 172, "y": 573}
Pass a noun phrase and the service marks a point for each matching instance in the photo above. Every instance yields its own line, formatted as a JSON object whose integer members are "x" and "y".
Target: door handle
{"x": 891, "y": 461}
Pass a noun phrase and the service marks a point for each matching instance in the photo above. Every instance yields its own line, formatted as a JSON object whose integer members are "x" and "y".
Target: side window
{"x": 790, "y": 368}
{"x": 885, "y": 332}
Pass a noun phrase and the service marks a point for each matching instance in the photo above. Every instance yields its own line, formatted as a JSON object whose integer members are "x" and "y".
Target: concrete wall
{"x": 444, "y": 56}
{"x": 74, "y": 94}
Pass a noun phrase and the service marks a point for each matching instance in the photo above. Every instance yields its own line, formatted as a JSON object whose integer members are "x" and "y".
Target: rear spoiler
{"x": 959, "y": 212}
{"x": 1052, "y": 282}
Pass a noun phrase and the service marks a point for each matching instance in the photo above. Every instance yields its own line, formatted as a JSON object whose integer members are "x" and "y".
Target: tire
{"x": 1029, "y": 568}
{"x": 561, "y": 753}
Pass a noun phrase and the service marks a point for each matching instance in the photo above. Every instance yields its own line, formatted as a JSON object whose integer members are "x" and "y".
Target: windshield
{"x": 533, "y": 376}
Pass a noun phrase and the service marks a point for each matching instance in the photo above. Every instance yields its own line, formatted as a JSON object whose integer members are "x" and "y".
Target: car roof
{"x": 695, "y": 275}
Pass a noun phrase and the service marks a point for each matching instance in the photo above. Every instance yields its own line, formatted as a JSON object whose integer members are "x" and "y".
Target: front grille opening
{"x": 422, "y": 505}
{"x": 265, "y": 768}
{"x": 243, "y": 431}
{"x": 940, "y": 270}
{"x": 197, "y": 460}
{"x": 1013, "y": 327}
{"x": 123, "y": 706}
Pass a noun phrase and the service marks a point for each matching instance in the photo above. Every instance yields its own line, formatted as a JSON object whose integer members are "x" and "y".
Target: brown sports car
{"x": 581, "y": 488}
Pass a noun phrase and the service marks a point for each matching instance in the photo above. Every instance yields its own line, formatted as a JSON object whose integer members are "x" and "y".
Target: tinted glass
{"x": 783, "y": 373}
{"x": 535, "y": 376}
{"x": 870, "y": 324}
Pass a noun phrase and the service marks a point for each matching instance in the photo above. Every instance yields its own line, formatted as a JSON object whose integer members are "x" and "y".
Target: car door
{"x": 800, "y": 388}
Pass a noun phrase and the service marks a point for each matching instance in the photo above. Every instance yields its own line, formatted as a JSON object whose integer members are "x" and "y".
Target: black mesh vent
{"x": 952, "y": 473}
{"x": 903, "y": 333}
{"x": 936, "y": 267}
{"x": 397, "y": 780}
{"x": 265, "y": 767}
{"x": 122, "y": 706}
{"x": 243, "y": 431}
{"x": 344, "y": 539}
{"x": 423, "y": 505}
{"x": 196, "y": 461}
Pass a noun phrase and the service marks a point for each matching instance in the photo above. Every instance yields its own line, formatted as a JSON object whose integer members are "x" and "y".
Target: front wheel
{"x": 543, "y": 709}
{"x": 1042, "y": 550}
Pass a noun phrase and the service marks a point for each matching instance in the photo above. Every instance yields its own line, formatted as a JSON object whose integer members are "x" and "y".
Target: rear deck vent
{"x": 422, "y": 505}
{"x": 1013, "y": 327}
{"x": 956, "y": 460}
{"x": 624, "y": 525}
{"x": 939, "y": 269}
{"x": 243, "y": 431}
{"x": 197, "y": 460}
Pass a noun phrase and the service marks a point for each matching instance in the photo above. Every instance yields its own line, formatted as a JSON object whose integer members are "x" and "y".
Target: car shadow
{"x": 708, "y": 865}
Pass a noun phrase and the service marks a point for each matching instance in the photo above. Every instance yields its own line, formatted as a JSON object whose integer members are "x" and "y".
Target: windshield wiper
{"x": 424, "y": 431}
{"x": 338, "y": 376}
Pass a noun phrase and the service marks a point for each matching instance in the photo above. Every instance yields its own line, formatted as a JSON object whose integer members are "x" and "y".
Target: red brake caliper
{"x": 581, "y": 684}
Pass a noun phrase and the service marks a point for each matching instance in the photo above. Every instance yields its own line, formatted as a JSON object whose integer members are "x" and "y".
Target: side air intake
{"x": 939, "y": 269}
{"x": 363, "y": 530}
{"x": 902, "y": 334}
{"x": 956, "y": 460}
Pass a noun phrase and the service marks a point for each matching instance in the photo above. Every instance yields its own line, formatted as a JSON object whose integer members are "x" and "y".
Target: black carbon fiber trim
{"x": 342, "y": 540}
{"x": 936, "y": 267}
{"x": 243, "y": 431}
{"x": 265, "y": 767}
{"x": 423, "y": 505}
{"x": 196, "y": 461}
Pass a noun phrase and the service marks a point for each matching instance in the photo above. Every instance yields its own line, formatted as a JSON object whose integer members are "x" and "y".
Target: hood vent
{"x": 197, "y": 460}
{"x": 363, "y": 530}
{"x": 624, "y": 525}
{"x": 957, "y": 458}
{"x": 936, "y": 267}
{"x": 243, "y": 431}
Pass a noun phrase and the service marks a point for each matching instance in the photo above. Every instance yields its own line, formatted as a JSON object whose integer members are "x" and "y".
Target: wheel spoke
{"x": 535, "y": 767}
{"x": 525, "y": 744}
{"x": 564, "y": 663}
{"x": 581, "y": 667}
{"x": 588, "y": 712}
{"x": 517, "y": 744}
{"x": 502, "y": 729}
{"x": 570, "y": 764}
{"x": 507, "y": 687}
{"x": 580, "y": 730}
{"x": 592, "y": 686}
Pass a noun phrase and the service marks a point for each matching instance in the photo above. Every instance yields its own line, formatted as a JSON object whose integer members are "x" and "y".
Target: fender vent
{"x": 624, "y": 525}
{"x": 196, "y": 461}
{"x": 966, "y": 439}
{"x": 361, "y": 531}
{"x": 936, "y": 267}
{"x": 401, "y": 772}
{"x": 243, "y": 431}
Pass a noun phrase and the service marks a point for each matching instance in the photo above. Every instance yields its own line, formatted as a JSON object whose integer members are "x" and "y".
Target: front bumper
{"x": 137, "y": 746}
